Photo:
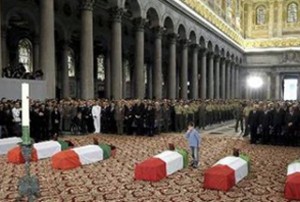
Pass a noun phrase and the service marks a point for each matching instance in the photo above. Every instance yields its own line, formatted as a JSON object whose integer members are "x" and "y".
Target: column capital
{"x": 87, "y": 5}
{"x": 203, "y": 51}
{"x": 117, "y": 13}
{"x": 217, "y": 57}
{"x": 211, "y": 54}
{"x": 195, "y": 46}
{"x": 228, "y": 61}
{"x": 158, "y": 31}
{"x": 139, "y": 23}
{"x": 184, "y": 42}
{"x": 172, "y": 38}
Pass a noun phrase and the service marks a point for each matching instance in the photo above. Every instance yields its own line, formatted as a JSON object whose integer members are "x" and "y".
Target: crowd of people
{"x": 266, "y": 122}
{"x": 269, "y": 122}
{"x": 19, "y": 72}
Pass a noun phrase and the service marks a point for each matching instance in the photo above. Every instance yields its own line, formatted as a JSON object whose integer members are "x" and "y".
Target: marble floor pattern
{"x": 113, "y": 179}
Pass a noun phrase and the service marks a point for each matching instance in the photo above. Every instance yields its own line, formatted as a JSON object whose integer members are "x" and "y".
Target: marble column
{"x": 157, "y": 73}
{"x": 172, "y": 67}
{"x": 269, "y": 86}
{"x": 277, "y": 87}
{"x": 223, "y": 86}
{"x": 233, "y": 84}
{"x": 47, "y": 45}
{"x": 194, "y": 81}
{"x": 211, "y": 81}
{"x": 139, "y": 77}
{"x": 203, "y": 74}
{"x": 217, "y": 77}
{"x": 124, "y": 86}
{"x": 184, "y": 69}
{"x": 107, "y": 72}
{"x": 150, "y": 74}
{"x": 237, "y": 81}
{"x": 228, "y": 79}
{"x": 116, "y": 53}
{"x": 4, "y": 50}
{"x": 65, "y": 71}
{"x": 87, "y": 50}
{"x": 36, "y": 54}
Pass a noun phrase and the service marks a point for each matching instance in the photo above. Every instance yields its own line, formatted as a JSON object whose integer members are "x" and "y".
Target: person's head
{"x": 190, "y": 125}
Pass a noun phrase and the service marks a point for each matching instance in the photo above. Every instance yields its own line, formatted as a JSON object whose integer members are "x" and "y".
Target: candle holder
{"x": 28, "y": 185}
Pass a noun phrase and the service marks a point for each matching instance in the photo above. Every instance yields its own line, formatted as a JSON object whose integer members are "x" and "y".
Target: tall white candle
{"x": 25, "y": 104}
{"x": 25, "y": 115}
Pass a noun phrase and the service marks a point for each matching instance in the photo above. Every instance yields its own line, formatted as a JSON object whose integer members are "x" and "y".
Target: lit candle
{"x": 25, "y": 114}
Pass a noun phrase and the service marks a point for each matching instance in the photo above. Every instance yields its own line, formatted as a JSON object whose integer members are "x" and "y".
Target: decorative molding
{"x": 87, "y": 5}
{"x": 117, "y": 14}
{"x": 203, "y": 10}
{"x": 139, "y": 24}
{"x": 158, "y": 31}
{"x": 290, "y": 57}
{"x": 172, "y": 38}
{"x": 200, "y": 8}
{"x": 267, "y": 43}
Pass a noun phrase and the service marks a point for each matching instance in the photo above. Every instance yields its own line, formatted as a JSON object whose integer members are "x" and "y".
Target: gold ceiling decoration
{"x": 199, "y": 7}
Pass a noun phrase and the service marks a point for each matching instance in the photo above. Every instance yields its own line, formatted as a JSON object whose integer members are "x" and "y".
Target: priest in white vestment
{"x": 96, "y": 112}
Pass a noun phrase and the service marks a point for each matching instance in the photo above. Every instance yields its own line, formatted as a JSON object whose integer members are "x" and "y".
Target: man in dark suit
{"x": 254, "y": 123}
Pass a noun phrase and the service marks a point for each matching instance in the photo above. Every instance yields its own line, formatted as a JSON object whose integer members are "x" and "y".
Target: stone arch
{"x": 202, "y": 42}
{"x": 181, "y": 32}
{"x": 155, "y": 9}
{"x": 217, "y": 50}
{"x": 192, "y": 37}
{"x": 168, "y": 25}
{"x": 222, "y": 52}
{"x": 210, "y": 46}
{"x": 236, "y": 60}
{"x": 153, "y": 17}
{"x": 232, "y": 57}
{"x": 132, "y": 8}
{"x": 227, "y": 55}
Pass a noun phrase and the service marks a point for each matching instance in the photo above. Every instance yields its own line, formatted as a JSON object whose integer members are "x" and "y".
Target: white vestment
{"x": 96, "y": 112}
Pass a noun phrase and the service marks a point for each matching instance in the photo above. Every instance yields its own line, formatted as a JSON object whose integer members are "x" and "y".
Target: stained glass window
{"x": 260, "y": 15}
{"x": 71, "y": 63}
{"x": 100, "y": 67}
{"x": 292, "y": 12}
{"x": 25, "y": 54}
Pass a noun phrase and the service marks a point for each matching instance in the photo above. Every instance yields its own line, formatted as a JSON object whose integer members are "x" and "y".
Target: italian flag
{"x": 226, "y": 172}
{"x": 292, "y": 183}
{"x": 161, "y": 165}
{"x": 40, "y": 150}
{"x": 7, "y": 144}
{"x": 73, "y": 158}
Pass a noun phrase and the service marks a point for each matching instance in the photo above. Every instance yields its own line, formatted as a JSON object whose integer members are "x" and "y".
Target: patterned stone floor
{"x": 112, "y": 179}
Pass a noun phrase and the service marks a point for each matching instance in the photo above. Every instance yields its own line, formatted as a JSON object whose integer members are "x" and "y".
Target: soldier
{"x": 178, "y": 117}
{"x": 238, "y": 115}
{"x": 201, "y": 115}
{"x": 246, "y": 113}
{"x": 119, "y": 117}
